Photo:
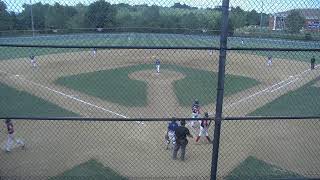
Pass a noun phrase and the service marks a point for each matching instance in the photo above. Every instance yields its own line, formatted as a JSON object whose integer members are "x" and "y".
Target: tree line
{"x": 102, "y": 14}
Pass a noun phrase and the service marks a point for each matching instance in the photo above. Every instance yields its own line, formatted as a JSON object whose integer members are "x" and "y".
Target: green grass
{"x": 145, "y": 39}
{"x": 20, "y": 103}
{"x": 304, "y": 101}
{"x": 253, "y": 168}
{"x": 91, "y": 169}
{"x": 115, "y": 86}
{"x": 14, "y": 102}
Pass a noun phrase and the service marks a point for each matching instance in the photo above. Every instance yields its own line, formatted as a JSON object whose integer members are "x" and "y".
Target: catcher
{"x": 170, "y": 135}
{"x": 204, "y": 125}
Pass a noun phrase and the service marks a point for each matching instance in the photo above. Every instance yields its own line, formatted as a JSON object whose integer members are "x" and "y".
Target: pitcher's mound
{"x": 152, "y": 75}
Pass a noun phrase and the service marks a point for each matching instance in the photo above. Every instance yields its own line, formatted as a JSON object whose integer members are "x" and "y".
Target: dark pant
{"x": 180, "y": 144}
{"x": 312, "y": 65}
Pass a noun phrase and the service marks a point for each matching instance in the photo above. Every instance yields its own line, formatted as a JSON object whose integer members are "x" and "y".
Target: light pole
{"x": 32, "y": 24}
{"x": 261, "y": 18}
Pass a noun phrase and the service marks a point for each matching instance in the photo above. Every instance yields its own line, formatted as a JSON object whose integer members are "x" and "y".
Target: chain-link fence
{"x": 90, "y": 87}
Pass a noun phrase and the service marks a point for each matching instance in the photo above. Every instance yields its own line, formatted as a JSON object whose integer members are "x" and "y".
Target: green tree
{"x": 238, "y": 17}
{"x": 253, "y": 18}
{"x": 151, "y": 16}
{"x": 78, "y": 19}
{"x": 294, "y": 21}
{"x": 58, "y": 15}
{"x": 39, "y": 13}
{"x": 100, "y": 14}
{"x": 5, "y": 19}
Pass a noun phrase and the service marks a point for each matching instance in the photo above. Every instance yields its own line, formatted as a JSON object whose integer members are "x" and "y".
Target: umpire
{"x": 181, "y": 140}
{"x": 313, "y": 61}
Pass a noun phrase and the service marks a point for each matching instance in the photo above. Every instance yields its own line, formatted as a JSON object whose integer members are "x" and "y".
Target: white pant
{"x": 158, "y": 68}
{"x": 10, "y": 141}
{"x": 34, "y": 64}
{"x": 203, "y": 131}
{"x": 171, "y": 138}
{"x": 192, "y": 122}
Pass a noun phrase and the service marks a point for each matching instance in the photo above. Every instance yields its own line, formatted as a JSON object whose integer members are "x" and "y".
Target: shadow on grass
{"x": 91, "y": 169}
{"x": 253, "y": 168}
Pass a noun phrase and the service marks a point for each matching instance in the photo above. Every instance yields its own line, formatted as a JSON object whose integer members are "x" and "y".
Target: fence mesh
{"x": 135, "y": 60}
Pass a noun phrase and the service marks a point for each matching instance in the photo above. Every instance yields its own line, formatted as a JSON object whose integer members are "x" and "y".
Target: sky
{"x": 266, "y": 6}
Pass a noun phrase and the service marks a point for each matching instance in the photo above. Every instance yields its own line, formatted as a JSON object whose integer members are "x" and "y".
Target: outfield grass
{"x": 304, "y": 101}
{"x": 115, "y": 86}
{"x": 144, "y": 39}
{"x": 253, "y": 168}
{"x": 20, "y": 103}
{"x": 91, "y": 169}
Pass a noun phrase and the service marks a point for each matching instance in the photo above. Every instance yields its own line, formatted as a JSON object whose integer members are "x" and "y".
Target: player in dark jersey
{"x": 171, "y": 137}
{"x": 11, "y": 138}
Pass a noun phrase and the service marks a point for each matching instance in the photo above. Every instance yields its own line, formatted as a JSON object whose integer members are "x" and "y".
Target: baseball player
{"x": 204, "y": 125}
{"x": 242, "y": 42}
{"x": 313, "y": 61}
{"x": 158, "y": 65}
{"x": 269, "y": 63}
{"x": 11, "y": 138}
{"x": 195, "y": 112}
{"x": 94, "y": 51}
{"x": 33, "y": 61}
{"x": 171, "y": 137}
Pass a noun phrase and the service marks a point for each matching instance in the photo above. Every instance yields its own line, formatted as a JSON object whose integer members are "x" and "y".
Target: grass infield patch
{"x": 14, "y": 102}
{"x": 304, "y": 101}
{"x": 91, "y": 169}
{"x": 115, "y": 86}
{"x": 253, "y": 168}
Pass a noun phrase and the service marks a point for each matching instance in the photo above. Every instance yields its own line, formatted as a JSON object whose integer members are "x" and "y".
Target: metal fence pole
{"x": 220, "y": 88}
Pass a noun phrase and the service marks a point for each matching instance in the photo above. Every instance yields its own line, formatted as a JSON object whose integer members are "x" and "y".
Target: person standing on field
{"x": 269, "y": 63}
{"x": 313, "y": 61}
{"x": 11, "y": 138}
{"x": 33, "y": 61}
{"x": 171, "y": 137}
{"x": 181, "y": 140}
{"x": 204, "y": 125}
{"x": 158, "y": 65}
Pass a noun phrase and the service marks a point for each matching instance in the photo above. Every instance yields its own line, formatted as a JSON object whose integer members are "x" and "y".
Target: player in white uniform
{"x": 204, "y": 125}
{"x": 269, "y": 62}
{"x": 195, "y": 112}
{"x": 94, "y": 51}
{"x": 158, "y": 65}
{"x": 33, "y": 61}
{"x": 11, "y": 138}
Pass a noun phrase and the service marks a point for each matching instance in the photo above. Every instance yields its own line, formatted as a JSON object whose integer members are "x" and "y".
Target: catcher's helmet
{"x": 8, "y": 120}
{"x": 183, "y": 122}
{"x": 173, "y": 119}
{"x": 196, "y": 101}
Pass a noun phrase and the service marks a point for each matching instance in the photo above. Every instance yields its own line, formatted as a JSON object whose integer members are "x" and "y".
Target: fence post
{"x": 220, "y": 88}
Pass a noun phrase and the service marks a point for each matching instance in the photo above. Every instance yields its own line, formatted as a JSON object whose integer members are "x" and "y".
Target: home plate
{"x": 17, "y": 75}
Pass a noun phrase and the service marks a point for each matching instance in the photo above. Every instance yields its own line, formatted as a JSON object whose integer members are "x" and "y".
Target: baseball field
{"x": 122, "y": 83}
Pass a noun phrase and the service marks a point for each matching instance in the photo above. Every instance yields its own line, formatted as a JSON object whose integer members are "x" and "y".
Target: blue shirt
{"x": 172, "y": 126}
{"x": 157, "y": 62}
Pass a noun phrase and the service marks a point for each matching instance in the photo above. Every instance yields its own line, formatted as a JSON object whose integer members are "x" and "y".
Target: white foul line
{"x": 68, "y": 96}
{"x": 71, "y": 97}
{"x": 285, "y": 85}
{"x": 267, "y": 89}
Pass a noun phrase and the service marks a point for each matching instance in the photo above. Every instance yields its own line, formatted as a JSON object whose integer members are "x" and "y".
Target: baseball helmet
{"x": 206, "y": 114}
{"x": 8, "y": 120}
{"x": 173, "y": 119}
{"x": 183, "y": 122}
{"x": 196, "y": 101}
